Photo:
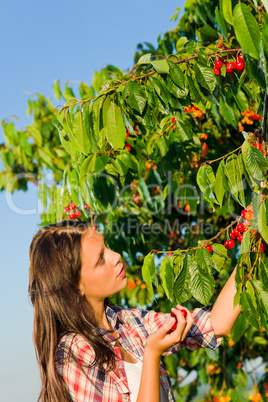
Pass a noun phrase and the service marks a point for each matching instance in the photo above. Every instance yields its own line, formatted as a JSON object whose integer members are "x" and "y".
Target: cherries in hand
{"x": 184, "y": 312}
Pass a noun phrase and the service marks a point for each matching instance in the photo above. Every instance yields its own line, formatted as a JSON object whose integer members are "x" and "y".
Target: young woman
{"x": 88, "y": 350}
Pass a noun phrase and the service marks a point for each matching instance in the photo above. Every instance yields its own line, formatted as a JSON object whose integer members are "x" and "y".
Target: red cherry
{"x": 262, "y": 248}
{"x": 128, "y": 147}
{"x": 73, "y": 206}
{"x": 240, "y": 58}
{"x": 94, "y": 227}
{"x": 78, "y": 214}
{"x": 236, "y": 232}
{"x": 209, "y": 248}
{"x": 240, "y": 238}
{"x": 229, "y": 244}
{"x": 197, "y": 165}
{"x": 240, "y": 66}
{"x": 173, "y": 119}
{"x": 184, "y": 313}
{"x": 229, "y": 68}
{"x": 67, "y": 209}
{"x": 243, "y": 213}
{"x": 72, "y": 216}
{"x": 205, "y": 146}
{"x": 127, "y": 134}
{"x": 173, "y": 127}
{"x": 217, "y": 71}
{"x": 195, "y": 107}
{"x": 233, "y": 235}
{"x": 218, "y": 64}
{"x": 86, "y": 206}
{"x": 219, "y": 45}
{"x": 240, "y": 227}
{"x": 186, "y": 109}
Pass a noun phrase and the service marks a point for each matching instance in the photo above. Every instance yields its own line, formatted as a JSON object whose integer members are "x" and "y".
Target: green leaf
{"x": 116, "y": 131}
{"x": 167, "y": 277}
{"x": 255, "y": 70}
{"x": 180, "y": 43}
{"x": 181, "y": 287}
{"x": 221, "y": 184}
{"x": 251, "y": 163}
{"x": 226, "y": 8}
{"x": 146, "y": 58}
{"x": 35, "y": 133}
{"x": 239, "y": 328}
{"x": 247, "y": 30}
{"x": 56, "y": 89}
{"x": 265, "y": 32}
{"x": 161, "y": 89}
{"x": 248, "y": 309}
{"x": 263, "y": 291}
{"x": 135, "y": 96}
{"x": 204, "y": 259}
{"x": 207, "y": 34}
{"x": 80, "y": 133}
{"x": 201, "y": 283}
{"x": 101, "y": 162}
{"x": 262, "y": 222}
{"x": 206, "y": 181}
{"x": 183, "y": 131}
{"x": 234, "y": 177}
{"x": 176, "y": 74}
{"x": 245, "y": 244}
{"x": 161, "y": 66}
{"x": 222, "y": 26}
{"x": 205, "y": 76}
{"x": 25, "y": 144}
{"x": 149, "y": 273}
{"x": 225, "y": 111}
{"x": 194, "y": 89}
{"x": 241, "y": 100}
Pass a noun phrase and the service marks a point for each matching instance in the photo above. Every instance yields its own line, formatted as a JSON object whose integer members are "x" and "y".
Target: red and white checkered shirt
{"x": 133, "y": 327}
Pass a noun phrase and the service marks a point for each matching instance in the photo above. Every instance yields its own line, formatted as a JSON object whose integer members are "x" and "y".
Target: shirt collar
{"x": 112, "y": 316}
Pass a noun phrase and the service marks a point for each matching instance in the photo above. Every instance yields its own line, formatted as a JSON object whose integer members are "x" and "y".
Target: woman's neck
{"x": 100, "y": 315}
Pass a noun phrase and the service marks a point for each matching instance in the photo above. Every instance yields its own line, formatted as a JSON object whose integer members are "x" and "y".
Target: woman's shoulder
{"x": 132, "y": 313}
{"x": 75, "y": 344}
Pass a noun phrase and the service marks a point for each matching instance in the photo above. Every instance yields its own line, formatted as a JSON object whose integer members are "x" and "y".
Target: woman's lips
{"x": 122, "y": 273}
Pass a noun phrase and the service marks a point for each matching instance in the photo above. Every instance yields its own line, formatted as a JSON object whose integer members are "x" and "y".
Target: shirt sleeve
{"x": 73, "y": 357}
{"x": 201, "y": 334}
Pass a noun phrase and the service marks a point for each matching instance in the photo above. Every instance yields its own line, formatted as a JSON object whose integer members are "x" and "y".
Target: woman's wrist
{"x": 150, "y": 353}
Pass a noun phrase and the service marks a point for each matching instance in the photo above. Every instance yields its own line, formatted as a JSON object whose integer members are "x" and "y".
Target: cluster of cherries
{"x": 241, "y": 228}
{"x": 248, "y": 118}
{"x": 195, "y": 111}
{"x": 76, "y": 214}
{"x": 236, "y": 233}
{"x": 128, "y": 146}
{"x": 230, "y": 67}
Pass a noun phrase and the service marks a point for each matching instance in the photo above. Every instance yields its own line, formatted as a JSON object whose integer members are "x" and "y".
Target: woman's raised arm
{"x": 156, "y": 345}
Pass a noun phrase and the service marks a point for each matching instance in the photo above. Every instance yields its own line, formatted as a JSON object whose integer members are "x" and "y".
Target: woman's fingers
{"x": 184, "y": 321}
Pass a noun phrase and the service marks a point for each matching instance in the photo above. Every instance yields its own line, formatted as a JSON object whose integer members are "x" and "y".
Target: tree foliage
{"x": 162, "y": 158}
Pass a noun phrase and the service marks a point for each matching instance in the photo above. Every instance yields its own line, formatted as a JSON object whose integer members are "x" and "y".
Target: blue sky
{"x": 40, "y": 42}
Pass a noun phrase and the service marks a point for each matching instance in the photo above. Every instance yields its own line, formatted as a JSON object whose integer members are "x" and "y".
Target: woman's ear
{"x": 81, "y": 290}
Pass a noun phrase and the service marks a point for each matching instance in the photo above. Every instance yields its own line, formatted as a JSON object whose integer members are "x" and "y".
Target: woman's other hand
{"x": 165, "y": 337}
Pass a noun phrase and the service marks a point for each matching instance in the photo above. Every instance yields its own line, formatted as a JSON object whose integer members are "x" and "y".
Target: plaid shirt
{"x": 133, "y": 326}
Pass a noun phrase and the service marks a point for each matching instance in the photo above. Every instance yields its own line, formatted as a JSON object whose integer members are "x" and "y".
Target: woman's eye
{"x": 101, "y": 259}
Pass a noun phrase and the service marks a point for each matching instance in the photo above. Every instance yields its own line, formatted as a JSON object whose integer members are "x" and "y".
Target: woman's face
{"x": 102, "y": 273}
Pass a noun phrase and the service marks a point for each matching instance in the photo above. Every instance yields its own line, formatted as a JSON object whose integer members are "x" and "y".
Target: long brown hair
{"x": 54, "y": 275}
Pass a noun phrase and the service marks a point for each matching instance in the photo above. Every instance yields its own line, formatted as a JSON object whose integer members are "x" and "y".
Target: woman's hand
{"x": 162, "y": 339}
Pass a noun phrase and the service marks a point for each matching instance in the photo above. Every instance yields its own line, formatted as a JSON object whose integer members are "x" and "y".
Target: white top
{"x": 133, "y": 373}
